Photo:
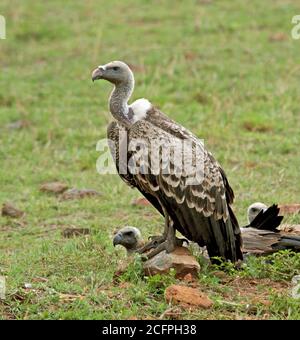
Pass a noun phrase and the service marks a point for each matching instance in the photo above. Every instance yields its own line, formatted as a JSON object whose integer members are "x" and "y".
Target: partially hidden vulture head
{"x": 254, "y": 209}
{"x": 130, "y": 238}
{"x": 116, "y": 72}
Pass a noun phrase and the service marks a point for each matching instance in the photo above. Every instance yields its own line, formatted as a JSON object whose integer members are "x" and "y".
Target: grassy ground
{"x": 228, "y": 70}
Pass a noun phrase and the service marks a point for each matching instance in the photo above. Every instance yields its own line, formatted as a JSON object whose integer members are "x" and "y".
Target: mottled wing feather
{"x": 201, "y": 210}
{"x": 114, "y": 131}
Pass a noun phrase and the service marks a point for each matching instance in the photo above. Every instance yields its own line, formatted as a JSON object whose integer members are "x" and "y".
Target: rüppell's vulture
{"x": 172, "y": 168}
{"x": 130, "y": 238}
{"x": 263, "y": 239}
{"x": 272, "y": 220}
{"x": 262, "y": 217}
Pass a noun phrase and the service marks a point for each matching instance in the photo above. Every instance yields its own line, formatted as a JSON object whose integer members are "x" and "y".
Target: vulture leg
{"x": 168, "y": 245}
{"x": 167, "y": 241}
{"x": 155, "y": 241}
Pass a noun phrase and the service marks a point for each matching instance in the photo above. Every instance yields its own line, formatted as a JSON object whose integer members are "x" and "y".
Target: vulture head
{"x": 254, "y": 209}
{"x": 116, "y": 72}
{"x": 128, "y": 237}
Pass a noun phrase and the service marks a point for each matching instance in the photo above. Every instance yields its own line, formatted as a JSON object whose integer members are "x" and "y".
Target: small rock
{"x": 180, "y": 259}
{"x": 71, "y": 232}
{"x": 187, "y": 296}
{"x": 142, "y": 202}
{"x": 9, "y": 210}
{"x": 79, "y": 193}
{"x": 54, "y": 187}
{"x": 286, "y": 209}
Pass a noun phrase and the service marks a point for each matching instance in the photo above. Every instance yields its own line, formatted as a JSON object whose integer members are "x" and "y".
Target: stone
{"x": 54, "y": 187}
{"x": 79, "y": 193}
{"x": 11, "y": 211}
{"x": 180, "y": 259}
{"x": 187, "y": 297}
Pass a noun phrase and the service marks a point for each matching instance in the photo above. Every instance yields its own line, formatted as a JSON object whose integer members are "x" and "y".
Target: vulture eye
{"x": 116, "y": 68}
{"x": 128, "y": 233}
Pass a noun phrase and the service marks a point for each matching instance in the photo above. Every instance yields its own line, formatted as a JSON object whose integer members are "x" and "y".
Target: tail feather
{"x": 225, "y": 240}
{"x": 267, "y": 220}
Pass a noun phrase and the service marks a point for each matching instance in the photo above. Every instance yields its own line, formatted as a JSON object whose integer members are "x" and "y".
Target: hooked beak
{"x": 97, "y": 73}
{"x": 117, "y": 239}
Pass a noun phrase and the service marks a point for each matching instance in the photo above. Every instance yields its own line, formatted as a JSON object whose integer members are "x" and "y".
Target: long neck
{"x": 118, "y": 102}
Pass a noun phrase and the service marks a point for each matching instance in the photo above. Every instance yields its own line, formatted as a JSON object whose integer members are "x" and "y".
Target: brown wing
{"x": 117, "y": 135}
{"x": 159, "y": 119}
{"x": 199, "y": 208}
{"x": 162, "y": 121}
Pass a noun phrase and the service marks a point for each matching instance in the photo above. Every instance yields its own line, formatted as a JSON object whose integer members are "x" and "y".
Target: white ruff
{"x": 135, "y": 230}
{"x": 140, "y": 108}
{"x": 258, "y": 206}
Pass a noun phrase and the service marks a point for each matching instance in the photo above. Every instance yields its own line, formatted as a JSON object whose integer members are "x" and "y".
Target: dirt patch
{"x": 54, "y": 187}
{"x": 9, "y": 210}
{"x": 187, "y": 297}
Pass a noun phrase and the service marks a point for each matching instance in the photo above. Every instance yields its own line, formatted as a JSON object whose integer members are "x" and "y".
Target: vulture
{"x": 254, "y": 209}
{"x": 262, "y": 238}
{"x": 130, "y": 238}
{"x": 262, "y": 217}
{"x": 172, "y": 168}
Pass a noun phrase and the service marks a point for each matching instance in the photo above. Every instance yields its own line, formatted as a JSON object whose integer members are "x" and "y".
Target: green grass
{"x": 214, "y": 66}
